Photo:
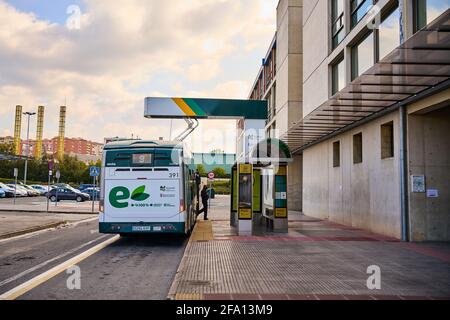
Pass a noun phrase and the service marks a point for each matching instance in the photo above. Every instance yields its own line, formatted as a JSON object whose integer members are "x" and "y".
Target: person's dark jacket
{"x": 205, "y": 196}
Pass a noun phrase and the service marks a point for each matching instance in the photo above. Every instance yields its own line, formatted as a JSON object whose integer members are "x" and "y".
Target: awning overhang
{"x": 416, "y": 69}
{"x": 269, "y": 152}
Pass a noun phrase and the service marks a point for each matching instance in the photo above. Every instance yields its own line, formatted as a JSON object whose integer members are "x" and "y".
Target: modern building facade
{"x": 278, "y": 82}
{"x": 375, "y": 113}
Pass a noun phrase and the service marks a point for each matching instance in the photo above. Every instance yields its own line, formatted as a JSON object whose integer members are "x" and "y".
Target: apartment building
{"x": 85, "y": 150}
{"x": 375, "y": 113}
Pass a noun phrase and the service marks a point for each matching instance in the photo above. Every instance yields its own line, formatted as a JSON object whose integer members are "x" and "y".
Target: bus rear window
{"x": 166, "y": 158}
{"x": 143, "y": 158}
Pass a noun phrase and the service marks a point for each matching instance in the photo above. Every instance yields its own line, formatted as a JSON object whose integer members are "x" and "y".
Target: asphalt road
{"x": 129, "y": 268}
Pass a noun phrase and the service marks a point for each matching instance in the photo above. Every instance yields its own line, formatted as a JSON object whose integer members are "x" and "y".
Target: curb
{"x": 44, "y": 211}
{"x": 172, "y": 291}
{"x": 32, "y": 229}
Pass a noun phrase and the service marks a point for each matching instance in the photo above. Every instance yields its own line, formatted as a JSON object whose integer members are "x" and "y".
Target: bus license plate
{"x": 142, "y": 228}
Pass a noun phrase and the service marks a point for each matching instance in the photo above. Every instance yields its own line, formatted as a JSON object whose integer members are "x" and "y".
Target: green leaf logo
{"x": 139, "y": 194}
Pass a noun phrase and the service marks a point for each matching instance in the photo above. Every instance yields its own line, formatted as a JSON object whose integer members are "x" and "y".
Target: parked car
{"x": 9, "y": 192}
{"x": 84, "y": 186}
{"x": 70, "y": 193}
{"x": 41, "y": 189}
{"x": 2, "y": 193}
{"x": 31, "y": 192}
{"x": 20, "y": 192}
{"x": 63, "y": 185}
{"x": 92, "y": 192}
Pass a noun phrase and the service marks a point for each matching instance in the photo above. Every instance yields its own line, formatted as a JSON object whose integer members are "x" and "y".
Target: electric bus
{"x": 147, "y": 187}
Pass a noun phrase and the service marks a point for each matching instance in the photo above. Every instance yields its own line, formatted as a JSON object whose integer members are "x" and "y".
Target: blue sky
{"x": 51, "y": 10}
{"x": 124, "y": 51}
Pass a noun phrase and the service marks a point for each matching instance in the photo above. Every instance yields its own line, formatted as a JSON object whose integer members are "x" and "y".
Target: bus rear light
{"x": 182, "y": 205}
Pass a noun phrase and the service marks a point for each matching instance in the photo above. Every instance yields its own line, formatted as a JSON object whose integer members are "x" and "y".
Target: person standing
{"x": 205, "y": 198}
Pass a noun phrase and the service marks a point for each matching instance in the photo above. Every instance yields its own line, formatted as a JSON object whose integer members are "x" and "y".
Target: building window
{"x": 336, "y": 154}
{"x": 357, "y": 148}
{"x": 387, "y": 140}
{"x": 337, "y": 22}
{"x": 363, "y": 56}
{"x": 389, "y": 34}
{"x": 338, "y": 77}
{"x": 425, "y": 11}
{"x": 358, "y": 9}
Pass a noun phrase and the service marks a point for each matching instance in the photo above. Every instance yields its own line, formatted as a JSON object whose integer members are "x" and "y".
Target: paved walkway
{"x": 314, "y": 260}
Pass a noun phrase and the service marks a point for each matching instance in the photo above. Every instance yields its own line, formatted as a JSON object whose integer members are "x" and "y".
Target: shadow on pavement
{"x": 151, "y": 240}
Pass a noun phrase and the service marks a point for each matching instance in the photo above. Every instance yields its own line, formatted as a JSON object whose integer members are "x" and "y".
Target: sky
{"x": 101, "y": 58}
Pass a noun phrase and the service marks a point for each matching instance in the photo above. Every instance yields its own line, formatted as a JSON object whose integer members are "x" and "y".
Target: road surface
{"x": 123, "y": 268}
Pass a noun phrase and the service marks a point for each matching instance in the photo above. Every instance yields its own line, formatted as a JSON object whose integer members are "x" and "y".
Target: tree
{"x": 7, "y": 148}
{"x": 72, "y": 170}
{"x": 220, "y": 172}
{"x": 201, "y": 170}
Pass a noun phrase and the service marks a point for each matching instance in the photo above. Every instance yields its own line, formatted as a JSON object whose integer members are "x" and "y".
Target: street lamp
{"x": 29, "y": 114}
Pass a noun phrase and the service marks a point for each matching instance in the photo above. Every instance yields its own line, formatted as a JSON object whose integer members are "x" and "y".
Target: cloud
{"x": 102, "y": 70}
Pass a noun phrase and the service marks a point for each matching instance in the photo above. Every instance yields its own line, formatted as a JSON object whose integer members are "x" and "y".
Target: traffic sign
{"x": 94, "y": 171}
{"x": 16, "y": 172}
{"x": 51, "y": 164}
{"x": 211, "y": 176}
{"x": 58, "y": 174}
{"x": 50, "y": 172}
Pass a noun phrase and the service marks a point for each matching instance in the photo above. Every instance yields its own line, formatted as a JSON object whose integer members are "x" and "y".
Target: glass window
{"x": 357, "y": 148}
{"x": 359, "y": 8}
{"x": 338, "y": 77}
{"x": 337, "y": 21}
{"x": 336, "y": 154}
{"x": 166, "y": 157}
{"x": 387, "y": 140}
{"x": 363, "y": 56}
{"x": 425, "y": 11}
{"x": 389, "y": 34}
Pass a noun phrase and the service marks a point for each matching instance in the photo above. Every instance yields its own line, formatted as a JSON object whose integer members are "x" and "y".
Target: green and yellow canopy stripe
{"x": 189, "y": 107}
{"x": 205, "y": 108}
{"x": 184, "y": 107}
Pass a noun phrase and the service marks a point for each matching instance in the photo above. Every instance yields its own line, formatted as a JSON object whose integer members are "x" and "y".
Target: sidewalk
{"x": 314, "y": 260}
{"x": 40, "y": 205}
{"x": 15, "y": 223}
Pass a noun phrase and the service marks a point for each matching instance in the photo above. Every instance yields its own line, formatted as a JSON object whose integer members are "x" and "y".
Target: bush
{"x": 222, "y": 187}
